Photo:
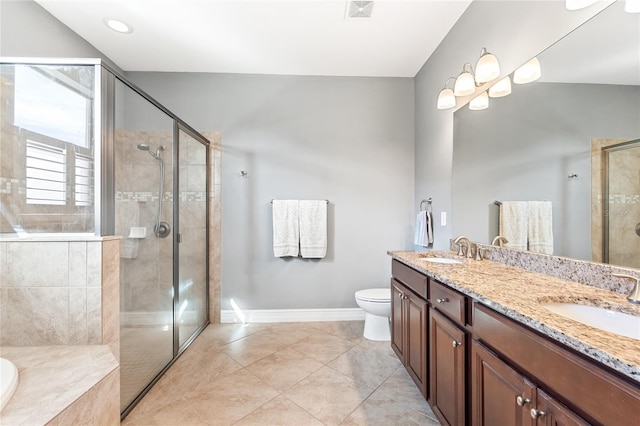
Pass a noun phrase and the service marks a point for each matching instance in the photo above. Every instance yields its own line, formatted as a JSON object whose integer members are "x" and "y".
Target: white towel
{"x": 420, "y": 238}
{"x": 286, "y": 234}
{"x": 313, "y": 228}
{"x": 424, "y": 229}
{"x": 513, "y": 223}
{"x": 540, "y": 227}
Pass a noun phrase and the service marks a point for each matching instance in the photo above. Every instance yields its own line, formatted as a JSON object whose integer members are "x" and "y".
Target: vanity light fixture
{"x": 479, "y": 102}
{"x": 487, "y": 67}
{"x": 465, "y": 83}
{"x": 632, "y": 6}
{"x": 501, "y": 88}
{"x": 446, "y": 98}
{"x": 118, "y": 25}
{"x": 528, "y": 72}
{"x": 578, "y": 4}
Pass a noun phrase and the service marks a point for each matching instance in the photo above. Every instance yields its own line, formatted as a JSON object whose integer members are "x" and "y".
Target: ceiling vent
{"x": 359, "y": 9}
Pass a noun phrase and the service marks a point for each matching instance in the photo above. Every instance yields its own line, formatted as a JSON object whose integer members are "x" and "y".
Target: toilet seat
{"x": 375, "y": 295}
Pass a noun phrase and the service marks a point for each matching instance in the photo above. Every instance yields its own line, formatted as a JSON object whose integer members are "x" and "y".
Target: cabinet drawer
{"x": 448, "y": 301}
{"x": 410, "y": 278}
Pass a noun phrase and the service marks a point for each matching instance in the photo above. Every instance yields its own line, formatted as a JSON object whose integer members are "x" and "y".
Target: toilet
{"x": 376, "y": 303}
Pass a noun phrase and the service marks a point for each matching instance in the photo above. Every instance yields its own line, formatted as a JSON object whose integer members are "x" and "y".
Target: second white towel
{"x": 313, "y": 228}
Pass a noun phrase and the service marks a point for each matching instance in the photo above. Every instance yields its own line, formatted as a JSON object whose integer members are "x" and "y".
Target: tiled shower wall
{"x": 59, "y": 292}
{"x": 145, "y": 282}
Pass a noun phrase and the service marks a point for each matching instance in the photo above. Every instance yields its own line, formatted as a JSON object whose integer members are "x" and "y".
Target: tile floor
{"x": 298, "y": 374}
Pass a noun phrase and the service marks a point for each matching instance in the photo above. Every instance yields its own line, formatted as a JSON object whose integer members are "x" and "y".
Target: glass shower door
{"x": 191, "y": 310}
{"x": 143, "y": 151}
{"x": 622, "y": 204}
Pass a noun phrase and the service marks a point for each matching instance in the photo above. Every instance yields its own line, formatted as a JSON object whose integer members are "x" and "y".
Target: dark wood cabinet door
{"x": 397, "y": 320}
{"x": 550, "y": 412}
{"x": 499, "y": 395}
{"x": 447, "y": 370}
{"x": 416, "y": 325}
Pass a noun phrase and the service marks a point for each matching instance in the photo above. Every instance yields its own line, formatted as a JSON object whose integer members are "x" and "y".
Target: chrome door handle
{"x": 522, "y": 401}
{"x": 442, "y": 300}
{"x": 455, "y": 343}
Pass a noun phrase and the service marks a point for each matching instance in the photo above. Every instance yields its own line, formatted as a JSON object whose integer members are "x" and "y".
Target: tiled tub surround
{"x": 517, "y": 294}
{"x": 59, "y": 324}
{"x": 55, "y": 292}
{"x": 63, "y": 385}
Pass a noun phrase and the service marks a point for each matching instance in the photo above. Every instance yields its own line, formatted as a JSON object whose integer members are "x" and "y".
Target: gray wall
{"x": 348, "y": 140}
{"x": 514, "y": 31}
{"x": 525, "y": 145}
{"x": 28, "y": 30}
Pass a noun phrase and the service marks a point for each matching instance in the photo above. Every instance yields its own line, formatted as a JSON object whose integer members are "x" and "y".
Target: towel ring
{"x": 428, "y": 202}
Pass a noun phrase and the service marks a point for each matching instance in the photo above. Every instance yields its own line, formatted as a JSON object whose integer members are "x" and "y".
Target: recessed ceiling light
{"x": 118, "y": 26}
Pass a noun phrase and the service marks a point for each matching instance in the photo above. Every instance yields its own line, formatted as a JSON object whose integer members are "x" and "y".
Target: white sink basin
{"x": 614, "y": 322}
{"x": 440, "y": 260}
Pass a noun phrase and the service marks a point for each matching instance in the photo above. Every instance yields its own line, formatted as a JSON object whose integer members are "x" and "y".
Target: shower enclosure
{"x": 85, "y": 152}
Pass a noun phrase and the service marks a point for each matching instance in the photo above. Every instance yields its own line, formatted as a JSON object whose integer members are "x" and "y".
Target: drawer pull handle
{"x": 405, "y": 297}
{"x": 442, "y": 300}
{"x": 536, "y": 413}
{"x": 522, "y": 401}
{"x": 455, "y": 344}
{"x": 400, "y": 295}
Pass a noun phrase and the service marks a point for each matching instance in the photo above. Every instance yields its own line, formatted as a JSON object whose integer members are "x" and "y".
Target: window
{"x": 46, "y": 174}
{"x": 83, "y": 180}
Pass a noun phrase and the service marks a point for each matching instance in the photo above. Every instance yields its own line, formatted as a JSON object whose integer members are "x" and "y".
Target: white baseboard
{"x": 293, "y": 315}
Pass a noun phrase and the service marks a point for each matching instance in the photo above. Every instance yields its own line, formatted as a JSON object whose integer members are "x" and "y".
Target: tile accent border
{"x": 293, "y": 315}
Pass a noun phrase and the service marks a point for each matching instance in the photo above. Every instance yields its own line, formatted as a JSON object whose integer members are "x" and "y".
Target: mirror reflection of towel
{"x": 513, "y": 223}
{"x": 540, "y": 227}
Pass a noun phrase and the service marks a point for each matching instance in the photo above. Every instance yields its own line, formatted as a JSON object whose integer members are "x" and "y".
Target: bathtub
{"x": 8, "y": 381}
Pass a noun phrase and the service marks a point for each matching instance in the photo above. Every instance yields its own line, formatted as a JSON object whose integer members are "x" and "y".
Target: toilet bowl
{"x": 376, "y": 303}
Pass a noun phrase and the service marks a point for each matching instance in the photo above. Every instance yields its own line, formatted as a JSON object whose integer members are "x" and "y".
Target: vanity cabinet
{"x": 447, "y": 353}
{"x": 487, "y": 369}
{"x": 447, "y": 372}
{"x": 589, "y": 393}
{"x": 409, "y": 325}
{"x": 502, "y": 396}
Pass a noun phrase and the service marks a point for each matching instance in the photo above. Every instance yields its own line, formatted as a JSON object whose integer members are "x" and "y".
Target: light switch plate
{"x": 443, "y": 218}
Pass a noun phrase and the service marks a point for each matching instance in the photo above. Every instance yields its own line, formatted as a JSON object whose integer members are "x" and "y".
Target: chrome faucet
{"x": 634, "y": 294}
{"x": 460, "y": 241}
{"x": 499, "y": 240}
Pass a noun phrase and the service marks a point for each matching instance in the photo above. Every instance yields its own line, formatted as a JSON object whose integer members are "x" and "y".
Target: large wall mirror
{"x": 567, "y": 138}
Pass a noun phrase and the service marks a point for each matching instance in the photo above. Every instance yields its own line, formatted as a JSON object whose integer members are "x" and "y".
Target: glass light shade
{"x": 578, "y": 4}
{"x": 528, "y": 72}
{"x": 632, "y": 6}
{"x": 465, "y": 84}
{"x": 501, "y": 88}
{"x": 446, "y": 99}
{"x": 487, "y": 67}
{"x": 479, "y": 102}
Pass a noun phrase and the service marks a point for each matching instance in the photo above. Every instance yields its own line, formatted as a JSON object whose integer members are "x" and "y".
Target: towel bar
{"x": 327, "y": 201}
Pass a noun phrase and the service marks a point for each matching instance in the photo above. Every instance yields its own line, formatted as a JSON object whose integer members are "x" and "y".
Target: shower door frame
{"x": 107, "y": 143}
{"x": 605, "y": 192}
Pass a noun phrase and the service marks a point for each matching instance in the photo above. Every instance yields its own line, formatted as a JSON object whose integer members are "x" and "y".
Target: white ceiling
{"x": 294, "y": 37}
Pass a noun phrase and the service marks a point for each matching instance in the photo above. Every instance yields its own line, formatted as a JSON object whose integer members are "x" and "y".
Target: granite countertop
{"x": 517, "y": 293}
